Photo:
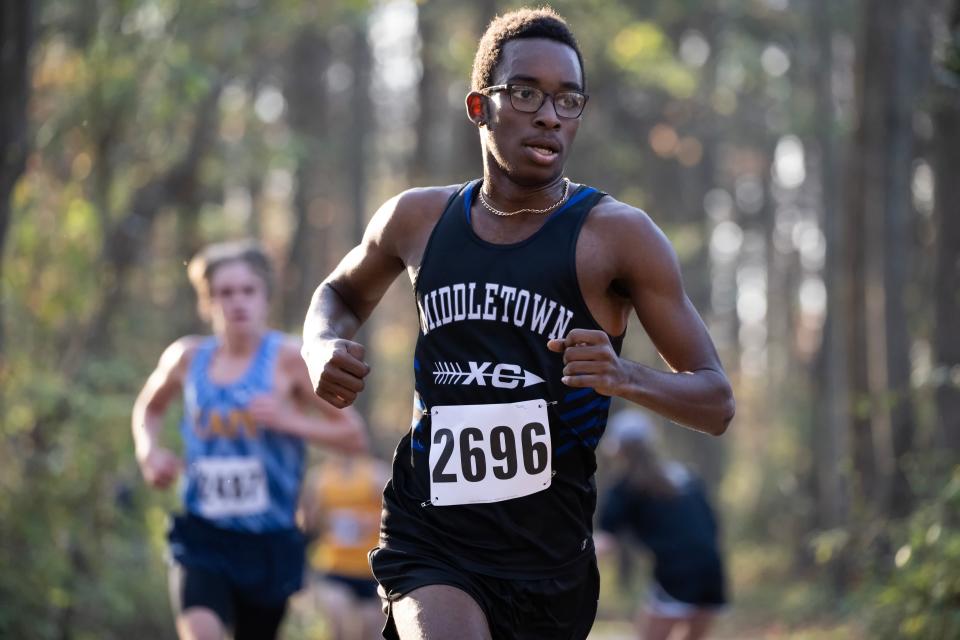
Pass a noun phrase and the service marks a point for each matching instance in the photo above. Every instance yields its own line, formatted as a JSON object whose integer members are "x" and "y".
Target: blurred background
{"x": 802, "y": 155}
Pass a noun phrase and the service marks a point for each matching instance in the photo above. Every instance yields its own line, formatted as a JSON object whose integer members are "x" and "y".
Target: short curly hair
{"x": 543, "y": 22}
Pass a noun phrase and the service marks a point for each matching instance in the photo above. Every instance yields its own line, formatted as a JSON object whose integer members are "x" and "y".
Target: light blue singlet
{"x": 240, "y": 475}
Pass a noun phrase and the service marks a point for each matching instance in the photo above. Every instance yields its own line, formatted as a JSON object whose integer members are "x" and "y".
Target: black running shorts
{"x": 557, "y": 608}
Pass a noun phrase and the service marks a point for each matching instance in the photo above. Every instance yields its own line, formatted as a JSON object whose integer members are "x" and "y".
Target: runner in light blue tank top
{"x": 249, "y": 408}
{"x": 260, "y": 469}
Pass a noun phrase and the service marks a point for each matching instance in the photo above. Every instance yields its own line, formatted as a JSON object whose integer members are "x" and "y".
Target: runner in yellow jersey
{"x": 341, "y": 505}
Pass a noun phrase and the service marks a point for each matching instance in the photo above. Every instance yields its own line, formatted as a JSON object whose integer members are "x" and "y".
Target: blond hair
{"x": 202, "y": 266}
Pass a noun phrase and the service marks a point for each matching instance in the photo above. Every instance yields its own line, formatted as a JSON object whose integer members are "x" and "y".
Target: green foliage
{"x": 70, "y": 518}
{"x": 920, "y": 597}
{"x": 644, "y": 52}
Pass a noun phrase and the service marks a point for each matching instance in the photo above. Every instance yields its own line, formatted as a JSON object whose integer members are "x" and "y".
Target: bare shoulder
{"x": 416, "y": 208}
{"x": 424, "y": 201}
{"x": 177, "y": 357}
{"x": 613, "y": 218}
{"x": 402, "y": 225}
{"x": 290, "y": 351}
{"x": 629, "y": 234}
{"x": 181, "y": 351}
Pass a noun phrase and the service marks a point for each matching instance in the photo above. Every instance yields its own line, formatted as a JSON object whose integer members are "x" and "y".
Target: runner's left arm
{"x": 695, "y": 392}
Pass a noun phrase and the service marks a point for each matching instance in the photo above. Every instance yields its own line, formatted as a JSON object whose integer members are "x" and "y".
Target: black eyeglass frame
{"x": 544, "y": 95}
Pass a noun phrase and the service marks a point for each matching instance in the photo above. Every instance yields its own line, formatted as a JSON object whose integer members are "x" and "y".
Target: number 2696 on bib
{"x": 489, "y": 452}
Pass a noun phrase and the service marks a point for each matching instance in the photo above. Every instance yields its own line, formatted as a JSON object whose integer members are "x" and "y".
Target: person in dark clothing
{"x": 524, "y": 282}
{"x": 665, "y": 508}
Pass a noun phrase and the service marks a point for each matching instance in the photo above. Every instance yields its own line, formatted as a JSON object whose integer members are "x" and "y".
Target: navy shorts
{"x": 698, "y": 580}
{"x": 247, "y": 620}
{"x": 557, "y": 608}
{"x": 234, "y": 572}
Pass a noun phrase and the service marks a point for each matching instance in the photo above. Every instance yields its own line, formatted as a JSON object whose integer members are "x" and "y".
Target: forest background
{"x": 802, "y": 155}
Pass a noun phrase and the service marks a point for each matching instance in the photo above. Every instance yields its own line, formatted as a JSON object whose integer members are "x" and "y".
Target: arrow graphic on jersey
{"x": 502, "y": 376}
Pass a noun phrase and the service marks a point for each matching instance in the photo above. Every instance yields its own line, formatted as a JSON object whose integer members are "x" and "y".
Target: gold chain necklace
{"x": 566, "y": 189}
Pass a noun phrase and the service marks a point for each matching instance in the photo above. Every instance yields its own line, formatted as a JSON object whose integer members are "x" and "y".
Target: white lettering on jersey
{"x": 493, "y": 302}
{"x": 489, "y": 306}
{"x": 540, "y": 313}
{"x": 459, "y": 302}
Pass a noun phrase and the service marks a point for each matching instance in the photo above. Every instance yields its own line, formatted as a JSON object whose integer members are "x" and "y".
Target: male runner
{"x": 524, "y": 282}
{"x": 248, "y": 412}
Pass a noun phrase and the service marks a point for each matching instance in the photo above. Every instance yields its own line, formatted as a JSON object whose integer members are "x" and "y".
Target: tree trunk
{"x": 361, "y": 124}
{"x": 831, "y": 446}
{"x": 864, "y": 457}
{"x": 709, "y": 455}
{"x": 306, "y": 93}
{"x": 880, "y": 207}
{"x": 912, "y": 56}
{"x": 946, "y": 159}
{"x": 16, "y": 38}
{"x": 431, "y": 96}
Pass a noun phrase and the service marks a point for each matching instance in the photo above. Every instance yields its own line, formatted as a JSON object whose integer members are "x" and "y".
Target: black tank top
{"x": 486, "y": 312}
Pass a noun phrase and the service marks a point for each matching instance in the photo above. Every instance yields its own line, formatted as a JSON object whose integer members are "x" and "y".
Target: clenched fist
{"x": 590, "y": 361}
{"x": 337, "y": 370}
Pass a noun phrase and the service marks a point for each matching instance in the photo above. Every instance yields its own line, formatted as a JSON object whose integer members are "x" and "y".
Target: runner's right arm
{"x": 393, "y": 240}
{"x": 158, "y": 464}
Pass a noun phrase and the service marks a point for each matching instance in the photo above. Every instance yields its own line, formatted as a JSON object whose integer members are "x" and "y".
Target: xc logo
{"x": 502, "y": 376}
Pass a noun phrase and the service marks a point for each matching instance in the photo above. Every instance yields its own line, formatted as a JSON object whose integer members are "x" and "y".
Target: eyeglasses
{"x": 527, "y": 99}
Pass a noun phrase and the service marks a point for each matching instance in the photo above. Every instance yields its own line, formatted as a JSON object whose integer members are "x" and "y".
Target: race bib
{"x": 346, "y": 527}
{"x": 489, "y": 452}
{"x": 230, "y": 487}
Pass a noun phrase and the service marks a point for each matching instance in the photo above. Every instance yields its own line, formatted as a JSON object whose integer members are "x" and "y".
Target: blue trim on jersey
{"x": 468, "y": 200}
{"x": 416, "y": 365}
{"x": 417, "y": 432}
{"x": 589, "y": 424}
{"x": 599, "y": 403}
{"x": 416, "y": 424}
{"x": 562, "y": 449}
{"x": 577, "y": 197}
{"x": 596, "y": 422}
{"x": 579, "y": 393}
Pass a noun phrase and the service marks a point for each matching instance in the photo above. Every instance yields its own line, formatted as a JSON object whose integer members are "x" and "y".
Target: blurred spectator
{"x": 664, "y": 507}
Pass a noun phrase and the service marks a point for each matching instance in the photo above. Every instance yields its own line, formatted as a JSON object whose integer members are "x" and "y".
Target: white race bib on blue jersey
{"x": 489, "y": 452}
{"x": 228, "y": 487}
